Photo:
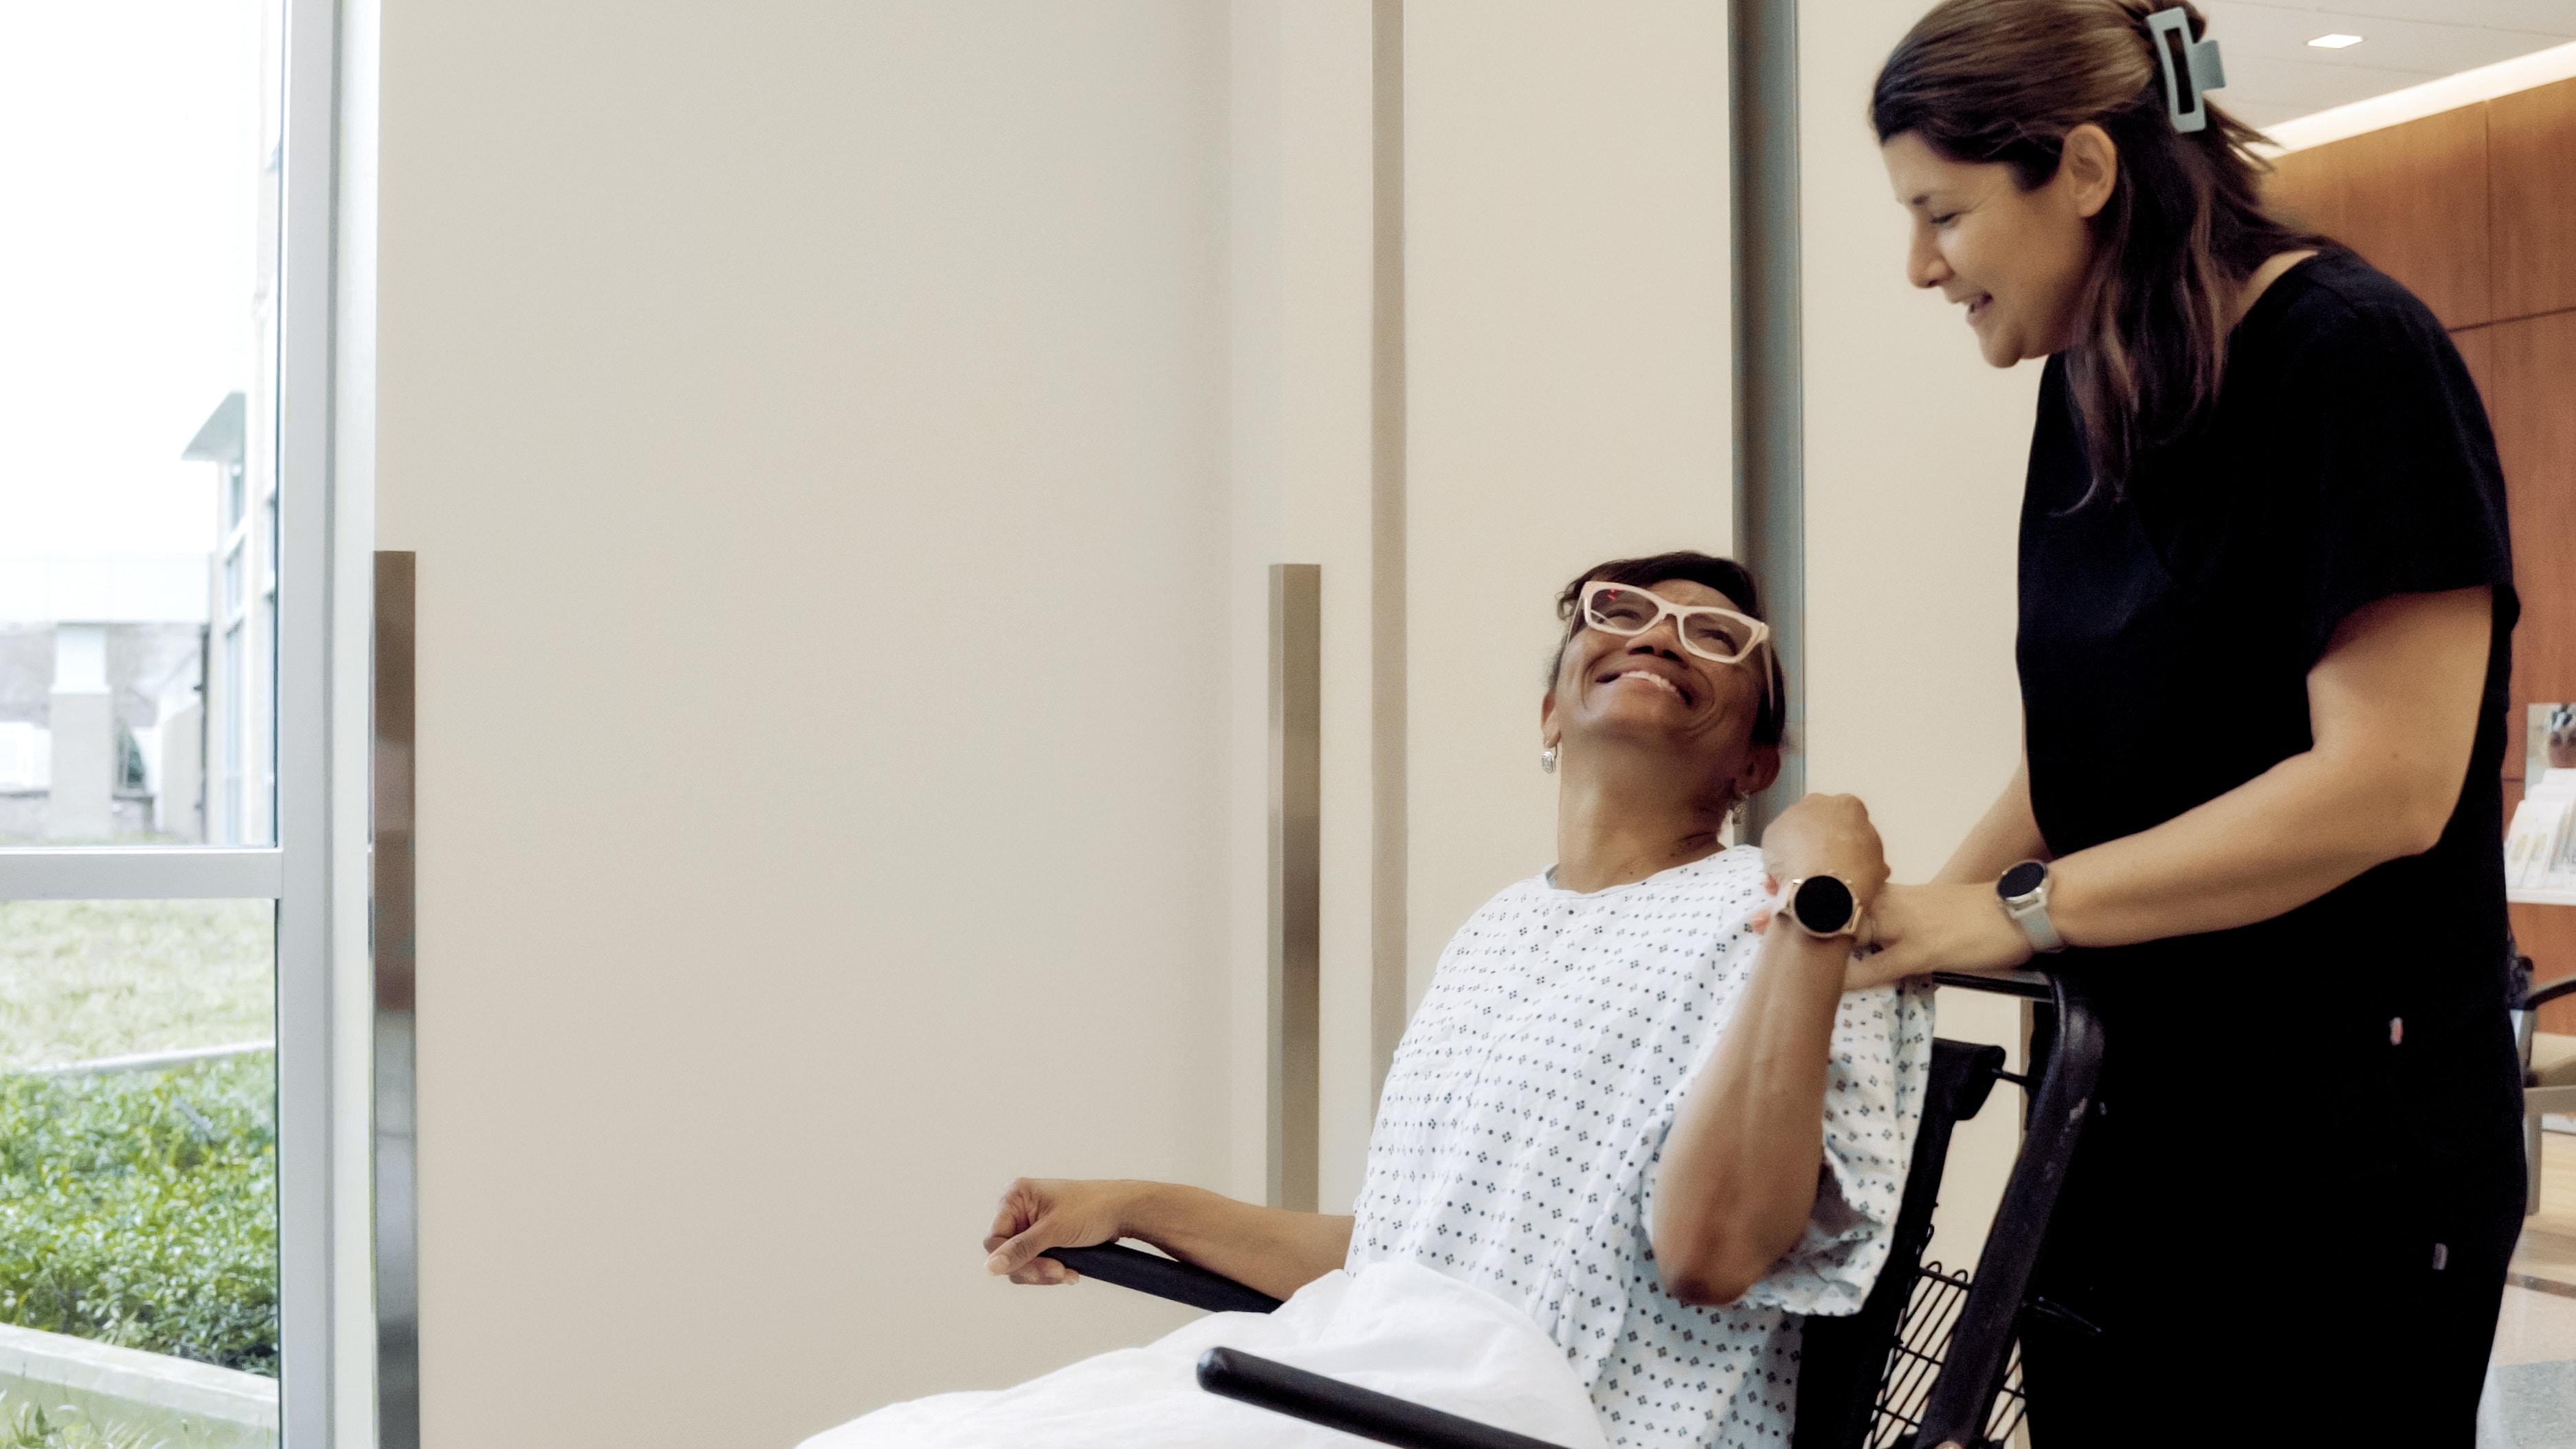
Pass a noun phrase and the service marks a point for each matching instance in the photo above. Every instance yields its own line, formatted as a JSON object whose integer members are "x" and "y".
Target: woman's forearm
{"x": 1739, "y": 1173}
{"x": 1277, "y": 1250}
{"x": 2393, "y": 709}
{"x": 2269, "y": 846}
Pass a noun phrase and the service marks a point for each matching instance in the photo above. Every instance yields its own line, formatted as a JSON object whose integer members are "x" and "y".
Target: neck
{"x": 1620, "y": 818}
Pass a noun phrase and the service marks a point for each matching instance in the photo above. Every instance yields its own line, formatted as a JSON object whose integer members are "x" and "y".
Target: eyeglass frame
{"x": 1680, "y": 614}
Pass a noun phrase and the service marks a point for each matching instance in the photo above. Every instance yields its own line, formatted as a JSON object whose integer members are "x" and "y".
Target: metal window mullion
{"x": 131, "y": 874}
{"x": 306, "y": 285}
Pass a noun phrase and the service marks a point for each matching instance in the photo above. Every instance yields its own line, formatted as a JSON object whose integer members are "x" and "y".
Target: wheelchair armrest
{"x": 1317, "y": 1399}
{"x": 2551, "y": 992}
{"x": 1164, "y": 1278}
{"x": 2025, "y": 983}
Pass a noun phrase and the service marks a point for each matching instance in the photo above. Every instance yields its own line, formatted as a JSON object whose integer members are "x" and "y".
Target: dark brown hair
{"x": 1722, "y": 574}
{"x": 2004, "y": 81}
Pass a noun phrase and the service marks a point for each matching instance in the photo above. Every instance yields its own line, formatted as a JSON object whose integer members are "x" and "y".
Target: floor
{"x": 2531, "y": 1390}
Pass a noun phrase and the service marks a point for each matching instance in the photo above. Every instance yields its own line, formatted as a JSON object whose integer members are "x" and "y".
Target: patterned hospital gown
{"x": 1522, "y": 1121}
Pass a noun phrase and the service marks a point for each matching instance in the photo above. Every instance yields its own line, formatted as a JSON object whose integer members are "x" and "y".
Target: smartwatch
{"x": 2024, "y": 893}
{"x": 1823, "y": 905}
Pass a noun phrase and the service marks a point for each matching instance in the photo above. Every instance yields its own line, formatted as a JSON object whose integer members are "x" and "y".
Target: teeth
{"x": 1655, "y": 679}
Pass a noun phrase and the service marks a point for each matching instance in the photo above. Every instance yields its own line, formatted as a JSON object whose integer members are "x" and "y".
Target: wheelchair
{"x": 1929, "y": 1362}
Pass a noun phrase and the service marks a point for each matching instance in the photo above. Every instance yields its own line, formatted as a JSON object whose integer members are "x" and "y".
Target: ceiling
{"x": 2273, "y": 74}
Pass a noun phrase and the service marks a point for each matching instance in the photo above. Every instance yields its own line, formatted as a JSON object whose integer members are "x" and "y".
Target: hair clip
{"x": 2169, "y": 31}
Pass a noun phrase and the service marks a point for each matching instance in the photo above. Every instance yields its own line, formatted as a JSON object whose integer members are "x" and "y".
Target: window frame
{"x": 297, "y": 871}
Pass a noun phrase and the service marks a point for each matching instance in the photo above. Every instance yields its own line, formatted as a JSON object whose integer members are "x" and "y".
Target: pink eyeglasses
{"x": 1712, "y": 633}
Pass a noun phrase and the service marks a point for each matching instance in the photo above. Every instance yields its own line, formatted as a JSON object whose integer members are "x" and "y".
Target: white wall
{"x": 1567, "y": 241}
{"x": 1303, "y": 228}
{"x": 795, "y": 408}
{"x": 1915, "y": 451}
{"x": 1565, "y": 236}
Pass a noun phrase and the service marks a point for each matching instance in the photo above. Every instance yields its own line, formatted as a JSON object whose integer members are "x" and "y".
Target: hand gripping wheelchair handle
{"x": 1268, "y": 1384}
{"x": 1164, "y": 1278}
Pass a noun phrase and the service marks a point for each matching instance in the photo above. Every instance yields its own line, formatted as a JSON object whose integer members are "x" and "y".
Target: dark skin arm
{"x": 1740, "y": 1171}
{"x": 1276, "y": 1250}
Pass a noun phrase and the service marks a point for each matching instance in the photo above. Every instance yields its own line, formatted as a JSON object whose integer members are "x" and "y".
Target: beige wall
{"x": 766, "y": 930}
{"x": 1302, "y": 244}
{"x": 1915, "y": 451}
{"x": 1567, "y": 240}
{"x": 795, "y": 409}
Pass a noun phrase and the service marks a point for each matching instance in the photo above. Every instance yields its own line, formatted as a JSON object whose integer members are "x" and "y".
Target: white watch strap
{"x": 2031, "y": 914}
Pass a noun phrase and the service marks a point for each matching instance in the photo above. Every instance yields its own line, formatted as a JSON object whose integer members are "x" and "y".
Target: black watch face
{"x": 1824, "y": 904}
{"x": 2021, "y": 880}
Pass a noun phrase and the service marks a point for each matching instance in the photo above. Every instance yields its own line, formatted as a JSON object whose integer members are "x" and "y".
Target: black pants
{"x": 2274, "y": 1311}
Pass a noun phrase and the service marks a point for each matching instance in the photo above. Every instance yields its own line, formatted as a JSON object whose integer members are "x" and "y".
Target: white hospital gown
{"x": 1526, "y": 1110}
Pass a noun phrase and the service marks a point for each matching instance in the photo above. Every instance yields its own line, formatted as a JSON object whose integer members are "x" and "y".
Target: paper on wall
{"x": 2539, "y": 848}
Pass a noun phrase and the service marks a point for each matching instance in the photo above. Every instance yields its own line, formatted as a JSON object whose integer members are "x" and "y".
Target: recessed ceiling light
{"x": 2335, "y": 42}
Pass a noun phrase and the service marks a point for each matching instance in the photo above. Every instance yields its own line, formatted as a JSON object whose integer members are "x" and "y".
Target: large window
{"x": 163, "y": 765}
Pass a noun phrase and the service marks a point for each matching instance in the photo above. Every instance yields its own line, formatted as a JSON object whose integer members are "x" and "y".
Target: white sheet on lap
{"x": 1396, "y": 1327}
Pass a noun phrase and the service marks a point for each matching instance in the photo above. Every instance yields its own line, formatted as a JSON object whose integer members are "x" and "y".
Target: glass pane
{"x": 138, "y": 1171}
{"x": 138, "y": 477}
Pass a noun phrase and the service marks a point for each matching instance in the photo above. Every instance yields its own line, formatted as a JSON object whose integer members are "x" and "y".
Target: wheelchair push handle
{"x": 1164, "y": 1278}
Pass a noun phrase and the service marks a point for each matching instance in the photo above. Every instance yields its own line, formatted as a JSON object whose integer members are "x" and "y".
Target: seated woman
{"x": 1636, "y": 1108}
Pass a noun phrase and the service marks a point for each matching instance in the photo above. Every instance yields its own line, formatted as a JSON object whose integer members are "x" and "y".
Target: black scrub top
{"x": 2165, "y": 640}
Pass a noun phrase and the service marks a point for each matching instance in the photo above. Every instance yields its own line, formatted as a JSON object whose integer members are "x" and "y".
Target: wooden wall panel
{"x": 2532, "y": 198}
{"x": 2523, "y": 367}
{"x": 2528, "y": 368}
{"x": 2412, "y": 199}
{"x": 2311, "y": 185}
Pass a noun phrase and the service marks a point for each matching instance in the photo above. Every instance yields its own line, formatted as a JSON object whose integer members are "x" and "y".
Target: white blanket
{"x": 1395, "y": 1327}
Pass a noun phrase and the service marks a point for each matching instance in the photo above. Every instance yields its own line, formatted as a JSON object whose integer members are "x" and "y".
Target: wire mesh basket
{"x": 1922, "y": 1339}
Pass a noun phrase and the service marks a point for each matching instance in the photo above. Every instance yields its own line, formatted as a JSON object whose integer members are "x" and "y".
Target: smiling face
{"x": 1647, "y": 691}
{"x": 2015, "y": 259}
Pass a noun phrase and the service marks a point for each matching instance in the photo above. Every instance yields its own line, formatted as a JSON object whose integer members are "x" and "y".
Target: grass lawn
{"x": 139, "y": 1208}
{"x": 83, "y": 979}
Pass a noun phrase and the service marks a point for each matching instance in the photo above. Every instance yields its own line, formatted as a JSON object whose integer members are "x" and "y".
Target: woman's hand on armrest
{"x": 1042, "y": 1213}
{"x": 1275, "y": 1250}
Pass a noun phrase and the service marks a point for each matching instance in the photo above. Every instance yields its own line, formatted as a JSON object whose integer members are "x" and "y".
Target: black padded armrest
{"x": 1164, "y": 1278}
{"x": 2550, "y": 992}
{"x": 2024, "y": 982}
{"x": 1318, "y": 1399}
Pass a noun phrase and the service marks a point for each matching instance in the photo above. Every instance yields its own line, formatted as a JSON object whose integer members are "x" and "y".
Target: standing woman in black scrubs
{"x": 2266, "y": 598}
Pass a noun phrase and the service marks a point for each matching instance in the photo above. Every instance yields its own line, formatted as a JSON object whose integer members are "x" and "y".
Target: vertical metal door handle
{"x": 391, "y": 925}
{"x": 1296, "y": 805}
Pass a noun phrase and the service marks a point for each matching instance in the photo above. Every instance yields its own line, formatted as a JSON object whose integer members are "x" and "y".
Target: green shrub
{"x": 141, "y": 1209}
{"x": 26, "y": 1426}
